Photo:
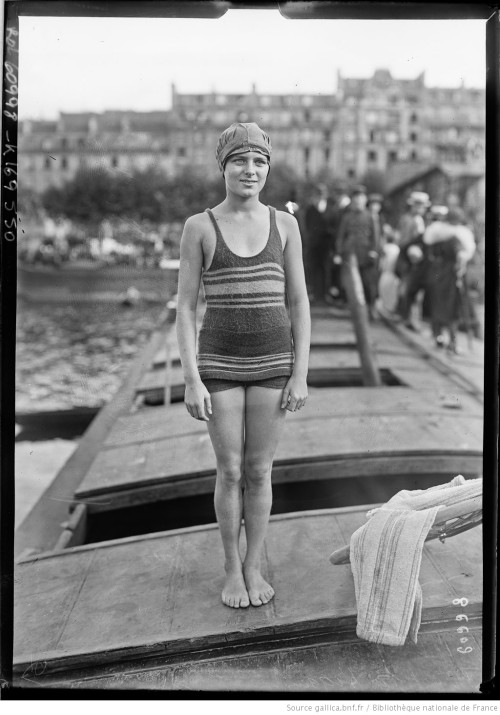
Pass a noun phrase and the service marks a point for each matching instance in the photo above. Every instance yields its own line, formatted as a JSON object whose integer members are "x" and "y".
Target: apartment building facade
{"x": 368, "y": 124}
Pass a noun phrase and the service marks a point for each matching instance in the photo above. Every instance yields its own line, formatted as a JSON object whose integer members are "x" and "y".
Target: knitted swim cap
{"x": 239, "y": 138}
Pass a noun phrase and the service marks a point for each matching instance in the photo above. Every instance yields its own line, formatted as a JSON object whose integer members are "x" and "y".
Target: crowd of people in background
{"x": 60, "y": 241}
{"x": 414, "y": 271}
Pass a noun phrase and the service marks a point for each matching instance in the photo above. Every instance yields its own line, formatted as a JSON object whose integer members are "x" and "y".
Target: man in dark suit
{"x": 357, "y": 237}
{"x": 318, "y": 240}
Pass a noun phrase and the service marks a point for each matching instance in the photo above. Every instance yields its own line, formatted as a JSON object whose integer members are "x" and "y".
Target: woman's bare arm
{"x": 300, "y": 317}
{"x": 197, "y": 398}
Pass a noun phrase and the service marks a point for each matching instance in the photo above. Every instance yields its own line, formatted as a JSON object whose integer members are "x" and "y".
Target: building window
{"x": 64, "y": 143}
{"x": 64, "y": 163}
{"x": 306, "y": 154}
{"x": 307, "y": 116}
{"x": 327, "y": 155}
{"x": 413, "y": 118}
{"x": 114, "y": 162}
{"x": 81, "y": 142}
{"x": 351, "y": 173}
{"x": 392, "y": 156}
{"x": 372, "y": 156}
{"x": 326, "y": 136}
{"x": 181, "y": 151}
{"x": 414, "y": 156}
{"x": 372, "y": 135}
{"x": 413, "y": 137}
{"x": 48, "y": 162}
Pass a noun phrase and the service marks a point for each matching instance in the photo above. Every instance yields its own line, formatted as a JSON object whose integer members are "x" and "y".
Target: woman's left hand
{"x": 295, "y": 394}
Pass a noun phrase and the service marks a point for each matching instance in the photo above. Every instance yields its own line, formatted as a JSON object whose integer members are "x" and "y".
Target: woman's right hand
{"x": 197, "y": 401}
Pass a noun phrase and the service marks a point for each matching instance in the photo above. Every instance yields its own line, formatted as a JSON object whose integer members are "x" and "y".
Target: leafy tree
{"x": 282, "y": 185}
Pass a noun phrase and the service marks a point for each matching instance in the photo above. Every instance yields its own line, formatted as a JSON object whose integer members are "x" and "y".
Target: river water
{"x": 68, "y": 355}
{"x": 74, "y": 355}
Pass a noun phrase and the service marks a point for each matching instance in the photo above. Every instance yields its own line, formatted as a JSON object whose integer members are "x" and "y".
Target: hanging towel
{"x": 386, "y": 553}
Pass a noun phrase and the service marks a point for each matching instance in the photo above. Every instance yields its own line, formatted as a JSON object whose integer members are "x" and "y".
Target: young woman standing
{"x": 252, "y": 357}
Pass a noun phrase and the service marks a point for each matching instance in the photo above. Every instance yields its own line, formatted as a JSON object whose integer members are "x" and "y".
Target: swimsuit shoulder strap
{"x": 215, "y": 224}
{"x": 275, "y": 242}
{"x": 222, "y": 257}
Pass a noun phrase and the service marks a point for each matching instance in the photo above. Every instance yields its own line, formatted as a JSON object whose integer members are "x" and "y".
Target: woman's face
{"x": 245, "y": 174}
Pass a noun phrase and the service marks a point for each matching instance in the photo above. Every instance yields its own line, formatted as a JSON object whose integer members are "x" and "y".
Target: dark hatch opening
{"x": 294, "y": 496}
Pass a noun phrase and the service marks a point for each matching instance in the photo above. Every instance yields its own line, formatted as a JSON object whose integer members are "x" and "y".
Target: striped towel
{"x": 386, "y": 553}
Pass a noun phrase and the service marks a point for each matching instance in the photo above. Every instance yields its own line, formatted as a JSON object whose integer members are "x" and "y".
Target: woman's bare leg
{"x": 264, "y": 420}
{"x": 226, "y": 430}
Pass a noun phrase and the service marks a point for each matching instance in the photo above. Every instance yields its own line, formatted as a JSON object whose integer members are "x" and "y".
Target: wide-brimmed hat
{"x": 358, "y": 189}
{"x": 419, "y": 198}
{"x": 239, "y": 138}
{"x": 375, "y": 199}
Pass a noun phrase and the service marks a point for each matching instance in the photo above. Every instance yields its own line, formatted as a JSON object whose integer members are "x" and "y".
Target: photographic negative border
{"x": 212, "y": 9}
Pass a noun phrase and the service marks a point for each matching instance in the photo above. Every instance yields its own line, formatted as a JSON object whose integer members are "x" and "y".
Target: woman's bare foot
{"x": 259, "y": 591}
{"x": 234, "y": 593}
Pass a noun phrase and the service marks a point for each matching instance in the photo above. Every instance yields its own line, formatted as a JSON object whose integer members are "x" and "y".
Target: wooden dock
{"x": 141, "y": 608}
{"x": 156, "y": 598}
{"x": 422, "y": 425}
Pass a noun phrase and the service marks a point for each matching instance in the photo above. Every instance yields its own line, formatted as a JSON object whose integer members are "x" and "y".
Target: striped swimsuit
{"x": 245, "y": 338}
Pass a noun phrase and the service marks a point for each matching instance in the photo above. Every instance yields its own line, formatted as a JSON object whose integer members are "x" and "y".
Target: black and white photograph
{"x": 249, "y": 353}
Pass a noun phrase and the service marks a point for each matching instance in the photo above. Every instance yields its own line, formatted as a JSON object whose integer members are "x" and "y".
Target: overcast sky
{"x": 93, "y": 64}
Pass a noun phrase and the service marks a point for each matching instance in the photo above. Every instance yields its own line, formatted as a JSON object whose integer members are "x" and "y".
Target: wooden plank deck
{"x": 162, "y": 453}
{"x": 356, "y": 432}
{"x": 151, "y": 424}
{"x": 162, "y": 599}
{"x": 467, "y": 368}
{"x": 333, "y": 351}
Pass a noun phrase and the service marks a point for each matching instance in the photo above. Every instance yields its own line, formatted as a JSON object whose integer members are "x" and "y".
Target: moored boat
{"x": 126, "y": 594}
{"x": 145, "y": 612}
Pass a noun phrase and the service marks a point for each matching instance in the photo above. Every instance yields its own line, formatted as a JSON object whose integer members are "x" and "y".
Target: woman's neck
{"x": 240, "y": 204}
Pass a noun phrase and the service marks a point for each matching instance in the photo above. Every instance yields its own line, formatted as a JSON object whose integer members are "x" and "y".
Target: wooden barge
{"x": 123, "y": 589}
